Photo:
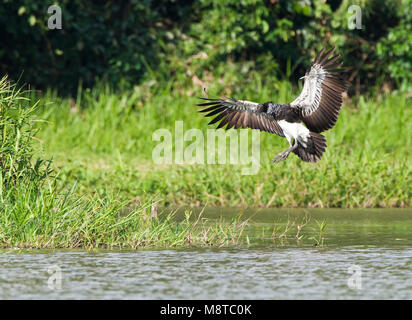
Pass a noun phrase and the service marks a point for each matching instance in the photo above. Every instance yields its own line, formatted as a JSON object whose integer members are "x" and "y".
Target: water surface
{"x": 367, "y": 254}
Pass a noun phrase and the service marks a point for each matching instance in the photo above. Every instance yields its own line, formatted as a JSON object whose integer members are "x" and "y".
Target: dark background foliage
{"x": 127, "y": 42}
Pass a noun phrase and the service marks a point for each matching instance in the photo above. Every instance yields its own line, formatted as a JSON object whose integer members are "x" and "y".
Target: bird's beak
{"x": 302, "y": 77}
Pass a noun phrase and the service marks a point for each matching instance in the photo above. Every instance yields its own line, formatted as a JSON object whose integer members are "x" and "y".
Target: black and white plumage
{"x": 317, "y": 107}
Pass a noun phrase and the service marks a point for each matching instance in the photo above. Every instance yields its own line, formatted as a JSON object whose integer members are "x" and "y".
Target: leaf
{"x": 32, "y": 20}
{"x": 21, "y": 11}
{"x": 265, "y": 26}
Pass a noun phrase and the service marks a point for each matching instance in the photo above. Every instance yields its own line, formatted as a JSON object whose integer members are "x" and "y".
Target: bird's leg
{"x": 283, "y": 155}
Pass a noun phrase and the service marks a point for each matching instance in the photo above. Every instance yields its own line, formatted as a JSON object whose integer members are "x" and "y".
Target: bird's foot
{"x": 281, "y": 157}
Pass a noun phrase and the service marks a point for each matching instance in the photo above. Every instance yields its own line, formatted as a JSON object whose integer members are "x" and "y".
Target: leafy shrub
{"x": 125, "y": 42}
{"x": 395, "y": 50}
{"x": 16, "y": 140}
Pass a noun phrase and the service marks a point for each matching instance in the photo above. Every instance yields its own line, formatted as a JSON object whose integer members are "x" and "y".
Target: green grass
{"x": 42, "y": 208}
{"x": 36, "y": 211}
{"x": 103, "y": 142}
{"x": 64, "y": 221}
{"x": 100, "y": 185}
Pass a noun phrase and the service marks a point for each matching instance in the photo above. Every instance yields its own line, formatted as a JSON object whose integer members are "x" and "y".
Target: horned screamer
{"x": 301, "y": 121}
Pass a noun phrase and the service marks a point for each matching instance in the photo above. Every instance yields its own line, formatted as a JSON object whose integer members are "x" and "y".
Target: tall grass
{"x": 100, "y": 189}
{"x": 103, "y": 140}
{"x": 37, "y": 211}
{"x": 16, "y": 135}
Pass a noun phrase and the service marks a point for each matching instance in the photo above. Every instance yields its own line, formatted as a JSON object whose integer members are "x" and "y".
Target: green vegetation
{"x": 76, "y": 158}
{"x": 104, "y": 144}
{"x": 37, "y": 213}
{"x": 53, "y": 221}
{"x": 101, "y": 193}
{"x": 128, "y": 42}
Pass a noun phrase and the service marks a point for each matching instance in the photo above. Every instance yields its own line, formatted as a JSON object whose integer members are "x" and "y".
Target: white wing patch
{"x": 309, "y": 99}
{"x": 243, "y": 105}
{"x": 249, "y": 102}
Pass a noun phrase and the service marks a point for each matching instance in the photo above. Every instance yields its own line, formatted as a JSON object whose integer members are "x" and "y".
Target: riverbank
{"x": 105, "y": 143}
{"x": 82, "y": 174}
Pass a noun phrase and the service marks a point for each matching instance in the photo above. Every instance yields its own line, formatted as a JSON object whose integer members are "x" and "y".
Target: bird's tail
{"x": 315, "y": 147}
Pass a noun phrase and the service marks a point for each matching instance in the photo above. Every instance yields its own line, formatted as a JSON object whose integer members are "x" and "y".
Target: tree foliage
{"x": 129, "y": 41}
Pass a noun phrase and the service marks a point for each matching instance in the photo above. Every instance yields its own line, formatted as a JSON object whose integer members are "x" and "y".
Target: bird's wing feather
{"x": 240, "y": 113}
{"x": 321, "y": 96}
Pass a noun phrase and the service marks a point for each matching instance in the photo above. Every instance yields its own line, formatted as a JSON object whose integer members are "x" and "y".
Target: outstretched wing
{"x": 240, "y": 113}
{"x": 321, "y": 96}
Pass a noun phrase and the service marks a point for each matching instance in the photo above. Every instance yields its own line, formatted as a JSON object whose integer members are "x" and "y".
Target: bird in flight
{"x": 317, "y": 107}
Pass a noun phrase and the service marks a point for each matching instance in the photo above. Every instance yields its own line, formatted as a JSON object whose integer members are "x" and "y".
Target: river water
{"x": 367, "y": 254}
